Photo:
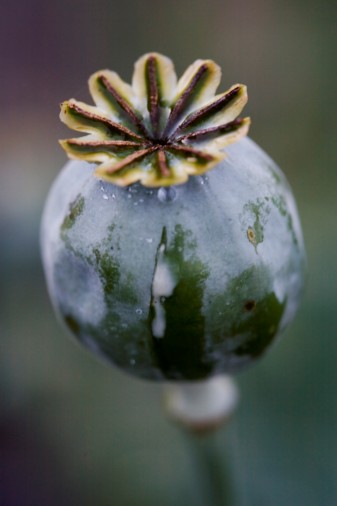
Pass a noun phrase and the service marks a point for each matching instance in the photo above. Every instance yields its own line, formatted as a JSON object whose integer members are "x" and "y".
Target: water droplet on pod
{"x": 167, "y": 194}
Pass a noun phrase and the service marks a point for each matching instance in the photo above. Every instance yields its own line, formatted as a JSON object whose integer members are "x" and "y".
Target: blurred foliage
{"x": 75, "y": 432}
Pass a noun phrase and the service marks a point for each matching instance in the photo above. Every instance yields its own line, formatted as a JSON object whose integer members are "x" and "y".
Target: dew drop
{"x": 149, "y": 240}
{"x": 167, "y": 194}
{"x": 203, "y": 179}
{"x": 105, "y": 196}
{"x": 139, "y": 311}
{"x": 132, "y": 361}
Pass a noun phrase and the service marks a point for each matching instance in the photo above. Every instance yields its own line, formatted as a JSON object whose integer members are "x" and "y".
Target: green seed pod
{"x": 169, "y": 280}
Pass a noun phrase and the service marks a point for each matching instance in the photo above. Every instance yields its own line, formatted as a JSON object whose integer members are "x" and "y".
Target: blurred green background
{"x": 73, "y": 431}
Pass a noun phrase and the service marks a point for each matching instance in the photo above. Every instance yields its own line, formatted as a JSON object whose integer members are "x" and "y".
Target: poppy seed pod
{"x": 171, "y": 243}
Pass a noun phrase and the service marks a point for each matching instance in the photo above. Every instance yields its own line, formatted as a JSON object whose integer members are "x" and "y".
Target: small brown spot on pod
{"x": 251, "y": 235}
{"x": 250, "y": 305}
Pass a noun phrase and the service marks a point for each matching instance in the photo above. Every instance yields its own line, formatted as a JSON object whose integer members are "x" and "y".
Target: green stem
{"x": 200, "y": 408}
{"x": 210, "y": 470}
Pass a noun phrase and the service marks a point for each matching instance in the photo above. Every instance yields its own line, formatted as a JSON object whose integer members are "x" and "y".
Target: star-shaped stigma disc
{"x": 158, "y": 130}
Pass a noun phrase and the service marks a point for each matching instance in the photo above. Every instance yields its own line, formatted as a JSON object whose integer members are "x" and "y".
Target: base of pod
{"x": 201, "y": 406}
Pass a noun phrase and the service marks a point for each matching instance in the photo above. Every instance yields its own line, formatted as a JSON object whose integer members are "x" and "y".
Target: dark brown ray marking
{"x": 183, "y": 100}
{"x": 209, "y": 110}
{"x": 162, "y": 162}
{"x": 106, "y": 144}
{"x": 110, "y": 125}
{"x": 191, "y": 151}
{"x": 153, "y": 94}
{"x": 213, "y": 132}
{"x": 128, "y": 160}
{"x": 132, "y": 116}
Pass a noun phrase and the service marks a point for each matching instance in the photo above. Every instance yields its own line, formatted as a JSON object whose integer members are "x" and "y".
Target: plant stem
{"x": 201, "y": 408}
{"x": 214, "y": 479}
